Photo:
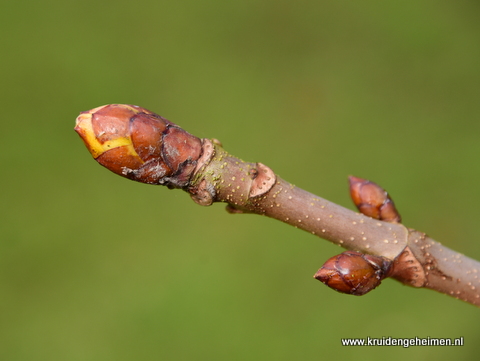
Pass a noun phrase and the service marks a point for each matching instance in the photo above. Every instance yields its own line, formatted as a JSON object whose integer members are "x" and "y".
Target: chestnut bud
{"x": 138, "y": 144}
{"x": 353, "y": 273}
{"x": 372, "y": 200}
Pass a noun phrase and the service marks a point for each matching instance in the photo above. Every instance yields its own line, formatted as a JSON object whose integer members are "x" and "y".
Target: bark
{"x": 418, "y": 260}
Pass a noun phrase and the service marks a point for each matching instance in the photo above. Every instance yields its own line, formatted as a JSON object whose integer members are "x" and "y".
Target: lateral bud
{"x": 354, "y": 273}
{"x": 372, "y": 200}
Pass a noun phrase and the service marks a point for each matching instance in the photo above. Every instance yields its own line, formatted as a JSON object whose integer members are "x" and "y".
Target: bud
{"x": 353, "y": 273}
{"x": 140, "y": 145}
{"x": 372, "y": 200}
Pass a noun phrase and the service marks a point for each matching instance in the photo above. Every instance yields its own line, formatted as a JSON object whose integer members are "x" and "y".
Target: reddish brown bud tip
{"x": 372, "y": 200}
{"x": 353, "y": 273}
{"x": 138, "y": 144}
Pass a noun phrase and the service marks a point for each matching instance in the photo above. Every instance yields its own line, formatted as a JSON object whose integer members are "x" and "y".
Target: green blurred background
{"x": 96, "y": 267}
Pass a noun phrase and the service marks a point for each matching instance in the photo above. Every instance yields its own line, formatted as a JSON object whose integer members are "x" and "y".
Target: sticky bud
{"x": 138, "y": 144}
{"x": 353, "y": 273}
{"x": 372, "y": 200}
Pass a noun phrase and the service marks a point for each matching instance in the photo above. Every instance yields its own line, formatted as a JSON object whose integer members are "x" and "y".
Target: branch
{"x": 140, "y": 145}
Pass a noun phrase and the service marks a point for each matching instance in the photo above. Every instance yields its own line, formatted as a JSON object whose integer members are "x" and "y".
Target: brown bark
{"x": 419, "y": 261}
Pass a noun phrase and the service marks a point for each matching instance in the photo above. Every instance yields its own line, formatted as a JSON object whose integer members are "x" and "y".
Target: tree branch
{"x": 140, "y": 145}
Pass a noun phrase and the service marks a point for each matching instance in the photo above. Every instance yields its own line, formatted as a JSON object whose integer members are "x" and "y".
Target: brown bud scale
{"x": 407, "y": 269}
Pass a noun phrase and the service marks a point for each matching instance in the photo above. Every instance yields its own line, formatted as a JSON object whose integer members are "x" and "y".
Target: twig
{"x": 140, "y": 145}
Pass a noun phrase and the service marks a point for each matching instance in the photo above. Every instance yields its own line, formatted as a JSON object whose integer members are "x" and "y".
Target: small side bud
{"x": 353, "y": 273}
{"x": 140, "y": 145}
{"x": 372, "y": 200}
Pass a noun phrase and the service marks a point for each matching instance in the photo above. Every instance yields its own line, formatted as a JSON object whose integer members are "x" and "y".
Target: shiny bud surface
{"x": 353, "y": 273}
{"x": 372, "y": 200}
{"x": 138, "y": 144}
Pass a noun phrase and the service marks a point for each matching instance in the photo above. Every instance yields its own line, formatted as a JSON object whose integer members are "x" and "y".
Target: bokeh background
{"x": 96, "y": 267}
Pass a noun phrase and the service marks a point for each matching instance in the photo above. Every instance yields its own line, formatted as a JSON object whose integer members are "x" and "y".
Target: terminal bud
{"x": 140, "y": 145}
